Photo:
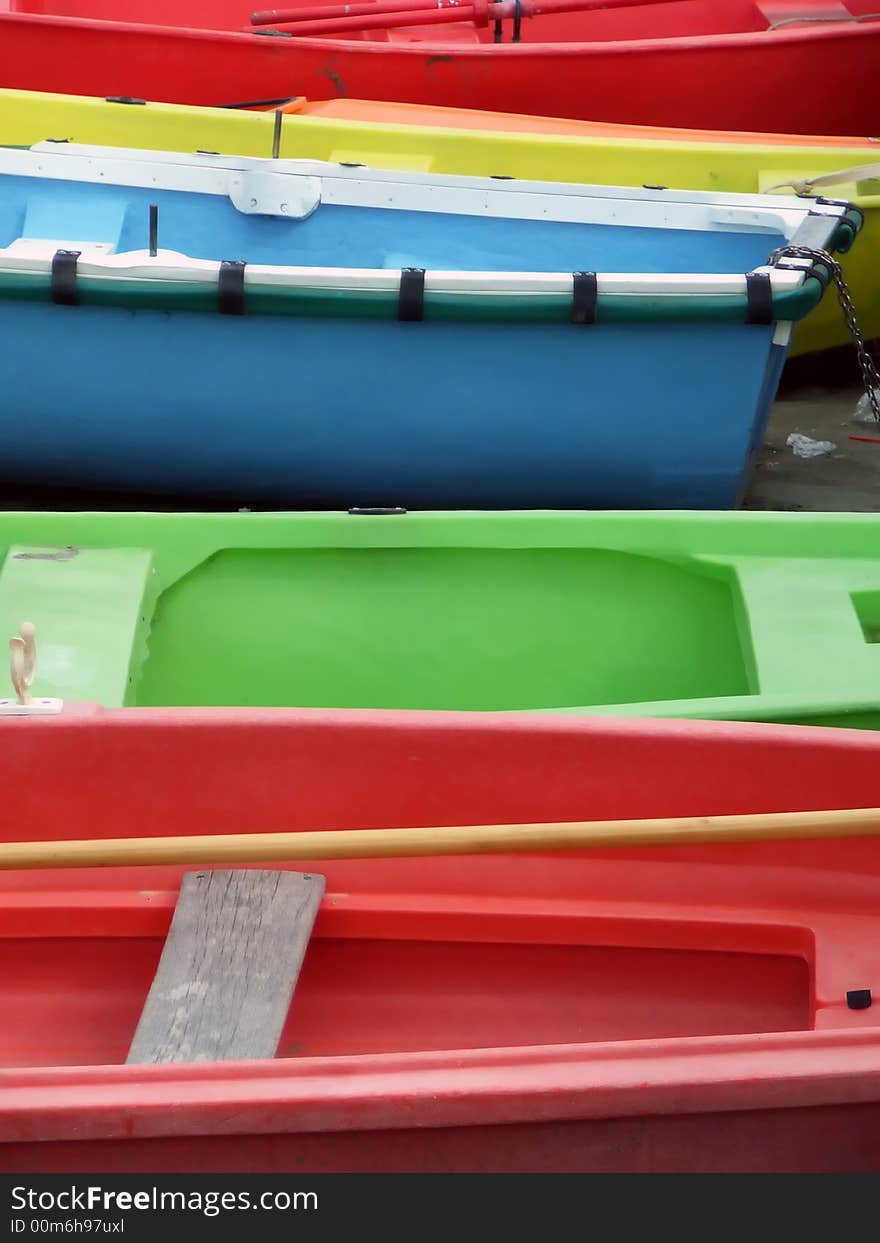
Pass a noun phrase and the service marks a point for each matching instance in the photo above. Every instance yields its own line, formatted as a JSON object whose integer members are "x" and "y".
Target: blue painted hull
{"x": 296, "y": 411}
{"x": 340, "y": 413}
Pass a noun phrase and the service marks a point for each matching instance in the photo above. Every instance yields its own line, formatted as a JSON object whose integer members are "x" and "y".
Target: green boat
{"x": 771, "y": 617}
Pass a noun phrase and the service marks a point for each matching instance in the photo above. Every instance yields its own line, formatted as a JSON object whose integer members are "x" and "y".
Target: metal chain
{"x": 870, "y": 374}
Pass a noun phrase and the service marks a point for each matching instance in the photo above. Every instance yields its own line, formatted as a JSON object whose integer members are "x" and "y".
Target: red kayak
{"x": 796, "y": 66}
{"x": 699, "y": 1007}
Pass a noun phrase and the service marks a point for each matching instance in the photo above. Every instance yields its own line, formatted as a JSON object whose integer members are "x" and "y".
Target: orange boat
{"x": 387, "y": 112}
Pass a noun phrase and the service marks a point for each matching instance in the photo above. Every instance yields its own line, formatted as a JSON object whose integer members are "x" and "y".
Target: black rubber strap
{"x": 63, "y": 285}
{"x": 517, "y": 18}
{"x": 411, "y": 306}
{"x": 154, "y": 230}
{"x": 759, "y": 292}
{"x": 585, "y": 295}
{"x": 230, "y": 287}
{"x": 850, "y": 207}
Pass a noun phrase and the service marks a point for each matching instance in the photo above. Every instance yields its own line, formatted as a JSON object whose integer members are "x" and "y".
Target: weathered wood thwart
{"x": 230, "y": 964}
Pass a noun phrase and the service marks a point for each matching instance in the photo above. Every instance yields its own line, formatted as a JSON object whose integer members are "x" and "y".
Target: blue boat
{"x": 303, "y": 334}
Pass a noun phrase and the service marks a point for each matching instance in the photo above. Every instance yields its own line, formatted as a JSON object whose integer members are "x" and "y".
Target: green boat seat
{"x": 92, "y": 609}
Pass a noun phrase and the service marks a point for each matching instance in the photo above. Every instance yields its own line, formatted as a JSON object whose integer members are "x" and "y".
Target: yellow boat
{"x": 448, "y": 140}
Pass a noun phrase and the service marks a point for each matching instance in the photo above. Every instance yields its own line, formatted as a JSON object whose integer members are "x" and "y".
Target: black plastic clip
{"x": 411, "y": 301}
{"x": 122, "y": 99}
{"x": 584, "y": 297}
{"x": 823, "y": 202}
{"x": 63, "y": 280}
{"x": 859, "y": 998}
{"x": 759, "y": 292}
{"x": 230, "y": 287}
{"x": 374, "y": 510}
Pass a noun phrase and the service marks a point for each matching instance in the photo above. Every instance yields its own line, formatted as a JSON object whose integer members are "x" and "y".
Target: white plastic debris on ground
{"x": 863, "y": 412}
{"x": 805, "y": 446}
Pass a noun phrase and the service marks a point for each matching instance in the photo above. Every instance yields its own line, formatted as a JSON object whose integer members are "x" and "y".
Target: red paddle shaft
{"x": 359, "y": 8}
{"x": 477, "y": 13}
{"x": 364, "y": 8}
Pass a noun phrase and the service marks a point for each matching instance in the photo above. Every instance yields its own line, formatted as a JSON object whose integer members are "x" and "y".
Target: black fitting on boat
{"x": 823, "y": 202}
{"x": 584, "y": 297}
{"x": 260, "y": 103}
{"x": 154, "y": 230}
{"x": 63, "y": 279}
{"x": 859, "y": 998}
{"x": 759, "y": 294}
{"x": 230, "y": 287}
{"x": 122, "y": 99}
{"x": 517, "y": 18}
{"x": 411, "y": 300}
{"x": 373, "y": 510}
{"x": 815, "y": 271}
{"x": 276, "y": 134}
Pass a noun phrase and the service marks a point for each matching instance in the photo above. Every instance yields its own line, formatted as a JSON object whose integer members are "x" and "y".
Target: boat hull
{"x": 749, "y": 616}
{"x": 590, "y": 81}
{"x": 643, "y": 383}
{"x": 344, "y": 434}
{"x": 456, "y": 141}
{"x": 738, "y": 957}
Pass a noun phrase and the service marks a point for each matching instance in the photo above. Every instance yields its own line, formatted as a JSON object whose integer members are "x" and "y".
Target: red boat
{"x": 796, "y": 66}
{"x": 700, "y": 1007}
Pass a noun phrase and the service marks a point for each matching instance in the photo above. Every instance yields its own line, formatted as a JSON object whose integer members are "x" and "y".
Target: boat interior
{"x": 559, "y": 234}
{"x": 408, "y": 625}
{"x": 674, "y": 19}
{"x": 432, "y": 953}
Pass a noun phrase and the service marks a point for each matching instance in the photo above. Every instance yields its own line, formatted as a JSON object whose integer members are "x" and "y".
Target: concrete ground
{"x": 817, "y": 398}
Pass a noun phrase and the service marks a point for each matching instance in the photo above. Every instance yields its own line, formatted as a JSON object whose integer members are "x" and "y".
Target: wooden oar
{"x": 447, "y": 840}
{"x": 391, "y": 14}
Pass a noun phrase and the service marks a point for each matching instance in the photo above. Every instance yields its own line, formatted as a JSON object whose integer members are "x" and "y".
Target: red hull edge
{"x": 656, "y": 82}
{"x": 840, "y": 1139}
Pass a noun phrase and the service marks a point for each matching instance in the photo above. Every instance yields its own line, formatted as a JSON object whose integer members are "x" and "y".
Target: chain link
{"x": 870, "y": 374}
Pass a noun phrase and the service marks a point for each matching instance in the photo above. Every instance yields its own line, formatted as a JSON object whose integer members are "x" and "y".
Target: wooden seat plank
{"x": 229, "y": 967}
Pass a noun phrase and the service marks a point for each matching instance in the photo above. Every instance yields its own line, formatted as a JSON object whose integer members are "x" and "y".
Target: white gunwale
{"x": 306, "y": 183}
{"x": 410, "y": 191}
{"x": 170, "y": 267}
